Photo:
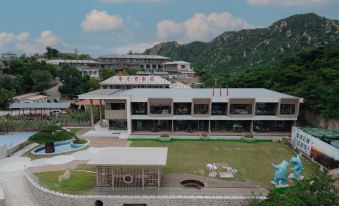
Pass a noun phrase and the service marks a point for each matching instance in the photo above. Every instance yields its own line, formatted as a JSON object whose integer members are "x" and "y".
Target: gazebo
{"x": 129, "y": 167}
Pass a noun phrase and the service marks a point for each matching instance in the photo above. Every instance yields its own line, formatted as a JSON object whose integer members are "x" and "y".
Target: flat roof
{"x": 130, "y": 156}
{"x": 177, "y": 62}
{"x": 135, "y": 80}
{"x": 134, "y": 56}
{"x": 203, "y": 93}
{"x": 260, "y": 94}
{"x": 58, "y": 61}
{"x": 49, "y": 105}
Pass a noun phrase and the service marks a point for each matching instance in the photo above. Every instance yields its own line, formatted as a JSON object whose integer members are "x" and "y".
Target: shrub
{"x": 79, "y": 141}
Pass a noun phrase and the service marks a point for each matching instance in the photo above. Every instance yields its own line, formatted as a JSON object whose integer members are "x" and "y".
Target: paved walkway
{"x": 16, "y": 189}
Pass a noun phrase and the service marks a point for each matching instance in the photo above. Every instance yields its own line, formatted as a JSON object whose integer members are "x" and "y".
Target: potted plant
{"x": 249, "y": 136}
{"x": 164, "y": 137}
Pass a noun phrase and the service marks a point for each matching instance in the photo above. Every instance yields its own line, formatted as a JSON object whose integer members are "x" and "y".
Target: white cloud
{"x": 97, "y": 21}
{"x": 135, "y": 48}
{"x": 201, "y": 27}
{"x": 39, "y": 44}
{"x": 287, "y": 2}
{"x": 131, "y": 1}
{"x": 8, "y": 37}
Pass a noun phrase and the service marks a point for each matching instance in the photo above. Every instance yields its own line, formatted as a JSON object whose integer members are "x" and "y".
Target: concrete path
{"x": 16, "y": 189}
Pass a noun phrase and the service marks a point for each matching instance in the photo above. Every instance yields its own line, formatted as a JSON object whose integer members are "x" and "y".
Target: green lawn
{"x": 252, "y": 159}
{"x": 79, "y": 183}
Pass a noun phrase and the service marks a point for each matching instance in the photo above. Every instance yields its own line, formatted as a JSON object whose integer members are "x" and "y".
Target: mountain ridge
{"x": 235, "y": 51}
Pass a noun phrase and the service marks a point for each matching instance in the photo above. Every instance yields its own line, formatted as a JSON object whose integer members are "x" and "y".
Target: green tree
{"x": 49, "y": 134}
{"x": 73, "y": 83}
{"x": 106, "y": 73}
{"x": 42, "y": 80}
{"x": 5, "y": 97}
{"x": 51, "y": 52}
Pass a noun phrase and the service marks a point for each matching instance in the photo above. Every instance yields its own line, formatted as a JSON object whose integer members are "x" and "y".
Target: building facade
{"x": 146, "y": 111}
{"x": 120, "y": 62}
{"x": 179, "y": 69}
{"x": 86, "y": 67}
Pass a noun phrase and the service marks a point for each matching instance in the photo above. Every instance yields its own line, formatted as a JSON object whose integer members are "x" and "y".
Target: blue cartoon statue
{"x": 280, "y": 179}
{"x": 297, "y": 169}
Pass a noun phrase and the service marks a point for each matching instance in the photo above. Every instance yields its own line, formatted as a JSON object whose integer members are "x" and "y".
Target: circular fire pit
{"x": 192, "y": 184}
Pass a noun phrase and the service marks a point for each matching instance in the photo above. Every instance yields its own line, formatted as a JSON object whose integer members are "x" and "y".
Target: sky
{"x": 99, "y": 27}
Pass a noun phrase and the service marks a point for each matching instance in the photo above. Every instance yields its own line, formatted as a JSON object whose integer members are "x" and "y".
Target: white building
{"x": 88, "y": 67}
{"x": 129, "y": 82}
{"x": 179, "y": 68}
{"x": 120, "y": 62}
{"x": 186, "y": 111}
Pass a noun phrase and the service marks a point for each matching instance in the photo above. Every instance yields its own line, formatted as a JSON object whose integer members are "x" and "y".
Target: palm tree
{"x": 49, "y": 134}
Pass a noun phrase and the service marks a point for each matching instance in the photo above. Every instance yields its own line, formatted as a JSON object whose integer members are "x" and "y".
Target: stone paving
{"x": 17, "y": 192}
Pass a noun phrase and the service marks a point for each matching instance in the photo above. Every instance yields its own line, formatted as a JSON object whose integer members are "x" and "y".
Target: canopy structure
{"x": 54, "y": 105}
{"x": 129, "y": 167}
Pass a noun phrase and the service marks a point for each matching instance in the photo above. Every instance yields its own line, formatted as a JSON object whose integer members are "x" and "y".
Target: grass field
{"x": 252, "y": 159}
{"x": 79, "y": 182}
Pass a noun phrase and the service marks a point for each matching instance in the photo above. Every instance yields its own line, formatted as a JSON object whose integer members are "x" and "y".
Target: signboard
{"x": 320, "y": 151}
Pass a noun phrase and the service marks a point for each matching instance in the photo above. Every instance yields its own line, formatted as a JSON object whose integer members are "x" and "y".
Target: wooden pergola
{"x": 129, "y": 167}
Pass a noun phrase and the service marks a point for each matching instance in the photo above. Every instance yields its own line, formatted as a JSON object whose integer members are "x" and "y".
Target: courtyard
{"x": 253, "y": 160}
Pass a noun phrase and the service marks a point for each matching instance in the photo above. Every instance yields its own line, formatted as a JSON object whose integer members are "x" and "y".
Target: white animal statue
{"x": 211, "y": 167}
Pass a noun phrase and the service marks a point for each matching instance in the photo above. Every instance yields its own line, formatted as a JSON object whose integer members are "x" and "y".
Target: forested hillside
{"x": 312, "y": 74}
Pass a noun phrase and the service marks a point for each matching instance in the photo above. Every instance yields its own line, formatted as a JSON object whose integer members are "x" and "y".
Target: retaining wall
{"x": 46, "y": 197}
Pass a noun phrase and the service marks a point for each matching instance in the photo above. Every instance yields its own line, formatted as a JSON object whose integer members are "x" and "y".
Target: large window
{"x": 116, "y": 106}
{"x": 152, "y": 125}
{"x": 191, "y": 125}
{"x": 117, "y": 124}
{"x": 241, "y": 109}
{"x": 266, "y": 109}
{"x": 201, "y": 109}
{"x": 139, "y": 108}
{"x": 221, "y": 126}
{"x": 164, "y": 109}
{"x": 268, "y": 126}
{"x": 287, "y": 109}
{"x": 182, "y": 108}
{"x": 219, "y": 108}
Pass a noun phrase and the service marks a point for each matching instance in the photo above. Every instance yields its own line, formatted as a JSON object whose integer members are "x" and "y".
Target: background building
{"x": 88, "y": 67}
{"x": 129, "y": 82}
{"x": 177, "y": 67}
{"x": 120, "y": 62}
{"x": 31, "y": 98}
